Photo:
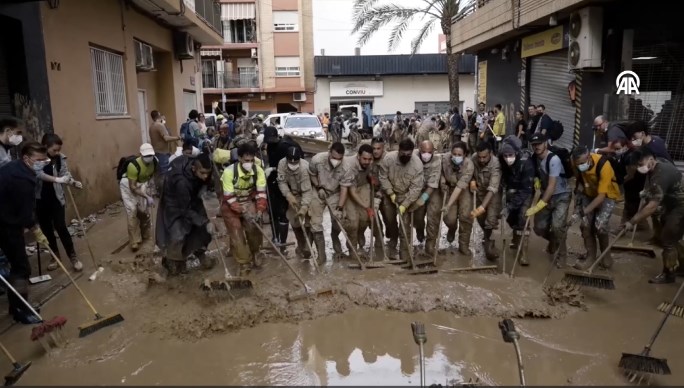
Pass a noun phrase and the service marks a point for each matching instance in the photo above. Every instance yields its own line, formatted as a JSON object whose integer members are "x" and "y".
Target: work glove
{"x": 268, "y": 171}
{"x": 393, "y": 198}
{"x": 64, "y": 180}
{"x": 537, "y": 184}
{"x": 373, "y": 180}
{"x": 261, "y": 205}
{"x": 402, "y": 209}
{"x": 40, "y": 237}
{"x": 376, "y": 203}
{"x": 322, "y": 194}
{"x": 303, "y": 211}
{"x": 498, "y": 138}
{"x": 235, "y": 207}
{"x": 627, "y": 226}
{"x": 445, "y": 209}
{"x": 77, "y": 184}
{"x": 210, "y": 228}
{"x": 642, "y": 194}
{"x": 150, "y": 201}
{"x": 370, "y": 212}
{"x": 473, "y": 186}
{"x": 535, "y": 209}
{"x": 338, "y": 213}
{"x": 292, "y": 200}
{"x": 477, "y": 212}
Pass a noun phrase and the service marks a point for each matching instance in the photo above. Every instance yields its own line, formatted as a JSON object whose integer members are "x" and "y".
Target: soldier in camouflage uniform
{"x": 401, "y": 179}
{"x": 355, "y": 195}
{"x": 486, "y": 184}
{"x": 663, "y": 189}
{"x": 428, "y": 204}
{"x": 596, "y": 194}
{"x": 379, "y": 153}
{"x": 457, "y": 172}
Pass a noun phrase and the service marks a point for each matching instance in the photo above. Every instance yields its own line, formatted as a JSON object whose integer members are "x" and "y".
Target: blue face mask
{"x": 457, "y": 160}
{"x": 38, "y": 166}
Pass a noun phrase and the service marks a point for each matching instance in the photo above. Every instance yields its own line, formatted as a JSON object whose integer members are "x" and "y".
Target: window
{"x": 239, "y": 31}
{"x": 285, "y": 21}
{"x": 302, "y": 122}
{"x": 108, "y": 79}
{"x": 287, "y": 66}
{"x": 189, "y": 100}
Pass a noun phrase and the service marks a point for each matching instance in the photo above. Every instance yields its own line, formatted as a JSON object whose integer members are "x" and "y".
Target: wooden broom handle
{"x": 80, "y": 220}
{"x": 610, "y": 246}
{"x": 72, "y": 281}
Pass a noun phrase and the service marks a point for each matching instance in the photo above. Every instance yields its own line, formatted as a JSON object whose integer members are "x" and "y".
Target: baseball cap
{"x": 146, "y": 150}
{"x": 293, "y": 154}
{"x": 538, "y": 138}
{"x": 469, "y": 109}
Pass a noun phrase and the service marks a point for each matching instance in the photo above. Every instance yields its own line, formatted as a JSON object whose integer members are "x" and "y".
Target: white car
{"x": 297, "y": 124}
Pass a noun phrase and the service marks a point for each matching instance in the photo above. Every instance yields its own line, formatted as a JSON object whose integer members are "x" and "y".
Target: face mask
{"x": 637, "y": 142}
{"x": 510, "y": 161}
{"x": 404, "y": 159}
{"x": 621, "y": 151}
{"x": 426, "y": 157}
{"x": 583, "y": 167}
{"x": 39, "y": 165}
{"x": 643, "y": 169}
{"x": 163, "y": 122}
{"x": 457, "y": 160}
{"x": 148, "y": 159}
{"x": 335, "y": 162}
{"x": 16, "y": 139}
{"x": 293, "y": 167}
{"x": 247, "y": 166}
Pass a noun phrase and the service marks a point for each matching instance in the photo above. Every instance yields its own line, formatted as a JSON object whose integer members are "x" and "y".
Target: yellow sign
{"x": 543, "y": 42}
{"x": 482, "y": 82}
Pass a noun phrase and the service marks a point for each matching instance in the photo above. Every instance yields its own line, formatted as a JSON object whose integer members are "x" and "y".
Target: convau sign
{"x": 356, "y": 89}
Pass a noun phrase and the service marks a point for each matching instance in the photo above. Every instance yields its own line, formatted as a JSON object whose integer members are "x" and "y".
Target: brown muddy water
{"x": 177, "y": 334}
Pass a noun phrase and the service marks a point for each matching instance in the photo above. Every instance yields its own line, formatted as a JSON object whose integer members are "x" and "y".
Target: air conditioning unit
{"x": 300, "y": 96}
{"x": 586, "y": 35}
{"x": 254, "y": 53}
{"x": 144, "y": 56}
{"x": 184, "y": 45}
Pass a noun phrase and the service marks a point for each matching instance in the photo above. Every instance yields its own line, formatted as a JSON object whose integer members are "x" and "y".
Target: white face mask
{"x": 643, "y": 169}
{"x": 457, "y": 160}
{"x": 148, "y": 159}
{"x": 426, "y": 157}
{"x": 335, "y": 162}
{"x": 621, "y": 151}
{"x": 16, "y": 139}
{"x": 583, "y": 167}
{"x": 637, "y": 142}
{"x": 293, "y": 167}
{"x": 510, "y": 160}
{"x": 247, "y": 166}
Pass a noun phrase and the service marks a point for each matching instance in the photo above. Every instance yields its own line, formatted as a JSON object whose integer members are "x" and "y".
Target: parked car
{"x": 297, "y": 124}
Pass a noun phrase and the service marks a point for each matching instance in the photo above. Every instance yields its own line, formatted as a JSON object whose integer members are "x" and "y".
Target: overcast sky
{"x": 332, "y": 23}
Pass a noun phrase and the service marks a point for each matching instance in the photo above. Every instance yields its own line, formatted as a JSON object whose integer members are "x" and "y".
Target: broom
{"x": 309, "y": 244}
{"x": 409, "y": 245}
{"x": 100, "y": 268}
{"x": 650, "y": 252}
{"x": 360, "y": 265}
{"x": 100, "y": 321}
{"x": 18, "y": 369}
{"x": 643, "y": 362}
{"x": 589, "y": 279}
{"x": 229, "y": 282}
{"x": 677, "y": 310}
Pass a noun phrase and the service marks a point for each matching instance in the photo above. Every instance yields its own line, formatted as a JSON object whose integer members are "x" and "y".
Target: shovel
{"x": 18, "y": 369}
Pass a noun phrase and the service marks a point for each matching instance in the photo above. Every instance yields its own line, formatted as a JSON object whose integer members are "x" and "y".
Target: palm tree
{"x": 369, "y": 17}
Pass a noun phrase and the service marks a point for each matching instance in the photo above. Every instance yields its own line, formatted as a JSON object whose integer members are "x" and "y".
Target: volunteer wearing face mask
{"x": 10, "y": 136}
{"x": 457, "y": 172}
{"x": 326, "y": 173}
{"x": 294, "y": 183}
{"x": 664, "y": 190}
{"x": 17, "y": 206}
{"x": 379, "y": 153}
{"x": 640, "y": 136}
{"x": 136, "y": 197}
{"x": 596, "y": 194}
{"x": 402, "y": 180}
{"x": 486, "y": 187}
{"x": 430, "y": 202}
{"x": 517, "y": 171}
{"x": 244, "y": 202}
{"x": 355, "y": 196}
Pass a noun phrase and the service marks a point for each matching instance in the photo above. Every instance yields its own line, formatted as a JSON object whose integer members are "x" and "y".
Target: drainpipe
{"x": 223, "y": 81}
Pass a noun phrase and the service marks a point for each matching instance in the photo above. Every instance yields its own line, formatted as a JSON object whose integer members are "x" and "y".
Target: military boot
{"x": 206, "y": 262}
{"x": 283, "y": 229}
{"x": 604, "y": 241}
{"x": 451, "y": 235}
{"x": 464, "y": 238}
{"x": 515, "y": 241}
{"x": 489, "y": 246}
{"x": 319, "y": 241}
{"x": 430, "y": 248}
{"x": 302, "y": 247}
{"x": 392, "y": 251}
{"x": 337, "y": 247}
{"x": 588, "y": 259}
{"x": 522, "y": 239}
{"x": 670, "y": 261}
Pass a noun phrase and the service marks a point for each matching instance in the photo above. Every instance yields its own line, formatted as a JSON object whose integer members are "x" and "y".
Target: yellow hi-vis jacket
{"x": 244, "y": 185}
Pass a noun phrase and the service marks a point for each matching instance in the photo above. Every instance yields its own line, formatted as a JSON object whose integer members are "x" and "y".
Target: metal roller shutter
{"x": 549, "y": 78}
{"x": 5, "y": 98}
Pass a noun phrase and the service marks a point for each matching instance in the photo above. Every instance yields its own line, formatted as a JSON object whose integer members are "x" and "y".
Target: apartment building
{"x": 92, "y": 71}
{"x": 572, "y": 56}
{"x": 265, "y": 63}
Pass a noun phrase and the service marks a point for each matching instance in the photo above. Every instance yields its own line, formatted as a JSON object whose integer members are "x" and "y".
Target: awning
{"x": 237, "y": 11}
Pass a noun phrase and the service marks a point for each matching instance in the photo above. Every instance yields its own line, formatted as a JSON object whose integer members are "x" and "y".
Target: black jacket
{"x": 17, "y": 195}
{"x": 519, "y": 181}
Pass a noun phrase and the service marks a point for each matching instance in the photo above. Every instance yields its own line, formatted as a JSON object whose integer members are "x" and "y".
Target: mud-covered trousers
{"x": 550, "y": 223}
{"x": 672, "y": 231}
{"x": 356, "y": 218}
{"x": 137, "y": 213}
{"x": 490, "y": 219}
{"x": 596, "y": 225}
{"x": 432, "y": 210}
{"x": 458, "y": 216}
{"x": 391, "y": 213}
{"x": 516, "y": 215}
{"x": 245, "y": 237}
{"x": 316, "y": 210}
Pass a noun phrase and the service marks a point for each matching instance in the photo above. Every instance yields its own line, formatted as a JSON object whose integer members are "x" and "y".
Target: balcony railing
{"x": 223, "y": 80}
{"x": 210, "y": 12}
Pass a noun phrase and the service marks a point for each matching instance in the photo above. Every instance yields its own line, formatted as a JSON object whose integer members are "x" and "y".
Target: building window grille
{"x": 109, "y": 83}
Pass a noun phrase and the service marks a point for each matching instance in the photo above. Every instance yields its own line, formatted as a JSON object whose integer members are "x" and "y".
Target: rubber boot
{"x": 420, "y": 235}
{"x": 523, "y": 250}
{"x": 464, "y": 238}
{"x": 430, "y": 248}
{"x": 451, "y": 235}
{"x": 489, "y": 246}
{"x": 283, "y": 229}
{"x": 302, "y": 247}
{"x": 515, "y": 241}
{"x": 604, "y": 241}
{"x": 319, "y": 241}
{"x": 589, "y": 257}
{"x": 392, "y": 251}
{"x": 206, "y": 263}
{"x": 17, "y": 309}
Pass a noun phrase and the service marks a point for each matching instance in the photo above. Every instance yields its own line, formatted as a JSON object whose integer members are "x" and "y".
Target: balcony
{"x": 247, "y": 79}
{"x": 210, "y": 12}
{"x": 200, "y": 18}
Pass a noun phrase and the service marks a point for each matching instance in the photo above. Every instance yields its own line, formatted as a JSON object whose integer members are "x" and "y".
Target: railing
{"x": 222, "y": 80}
{"x": 210, "y": 12}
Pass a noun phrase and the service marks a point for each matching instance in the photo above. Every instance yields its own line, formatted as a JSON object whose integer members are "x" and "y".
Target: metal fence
{"x": 210, "y": 12}
{"x": 225, "y": 80}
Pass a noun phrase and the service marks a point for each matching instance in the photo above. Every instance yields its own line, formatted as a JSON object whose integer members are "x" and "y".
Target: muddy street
{"x": 176, "y": 333}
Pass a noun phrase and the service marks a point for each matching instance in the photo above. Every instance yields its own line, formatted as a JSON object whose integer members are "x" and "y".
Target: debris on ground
{"x": 565, "y": 293}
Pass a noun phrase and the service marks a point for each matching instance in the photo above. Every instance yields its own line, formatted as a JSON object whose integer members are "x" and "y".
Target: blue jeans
{"x": 163, "y": 162}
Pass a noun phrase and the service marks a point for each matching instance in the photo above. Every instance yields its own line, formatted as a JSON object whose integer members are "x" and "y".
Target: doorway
{"x": 142, "y": 109}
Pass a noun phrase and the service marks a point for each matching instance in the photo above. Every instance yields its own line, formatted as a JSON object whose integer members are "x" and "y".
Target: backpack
{"x": 564, "y": 156}
{"x": 556, "y": 131}
{"x": 185, "y": 130}
{"x": 235, "y": 174}
{"x": 122, "y": 167}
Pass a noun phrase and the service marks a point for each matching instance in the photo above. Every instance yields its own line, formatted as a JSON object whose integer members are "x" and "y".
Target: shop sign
{"x": 543, "y": 42}
{"x": 482, "y": 82}
{"x": 356, "y": 89}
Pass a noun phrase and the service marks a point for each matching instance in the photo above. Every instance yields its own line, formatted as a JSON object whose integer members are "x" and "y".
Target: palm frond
{"x": 398, "y": 33}
{"x": 368, "y": 23}
{"x": 422, "y": 34}
{"x": 361, "y": 6}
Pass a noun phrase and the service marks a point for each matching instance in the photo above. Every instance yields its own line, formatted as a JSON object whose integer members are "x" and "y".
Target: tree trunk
{"x": 452, "y": 63}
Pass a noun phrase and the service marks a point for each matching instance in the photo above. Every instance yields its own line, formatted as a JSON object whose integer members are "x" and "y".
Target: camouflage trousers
{"x": 550, "y": 223}
{"x": 672, "y": 231}
{"x": 597, "y": 220}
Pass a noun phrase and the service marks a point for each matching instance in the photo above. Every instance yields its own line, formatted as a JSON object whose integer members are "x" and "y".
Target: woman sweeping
{"x": 50, "y": 201}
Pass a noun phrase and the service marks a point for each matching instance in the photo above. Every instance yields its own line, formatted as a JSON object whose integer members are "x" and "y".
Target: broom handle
{"x": 308, "y": 241}
{"x": 631, "y": 241}
{"x": 591, "y": 269}
{"x": 665, "y": 317}
{"x": 80, "y": 220}
{"x": 439, "y": 229}
{"x": 382, "y": 235}
{"x": 372, "y": 239}
{"x": 409, "y": 244}
{"x": 346, "y": 236}
{"x": 472, "y": 230}
{"x": 7, "y": 353}
{"x": 33, "y": 311}
{"x": 520, "y": 244}
{"x": 97, "y": 315}
{"x": 280, "y": 254}
{"x": 218, "y": 247}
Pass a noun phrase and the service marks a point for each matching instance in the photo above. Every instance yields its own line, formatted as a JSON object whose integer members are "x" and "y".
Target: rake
{"x": 229, "y": 281}
{"x": 650, "y": 252}
{"x": 643, "y": 362}
{"x": 590, "y": 279}
{"x": 18, "y": 369}
{"x": 409, "y": 245}
{"x": 309, "y": 292}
